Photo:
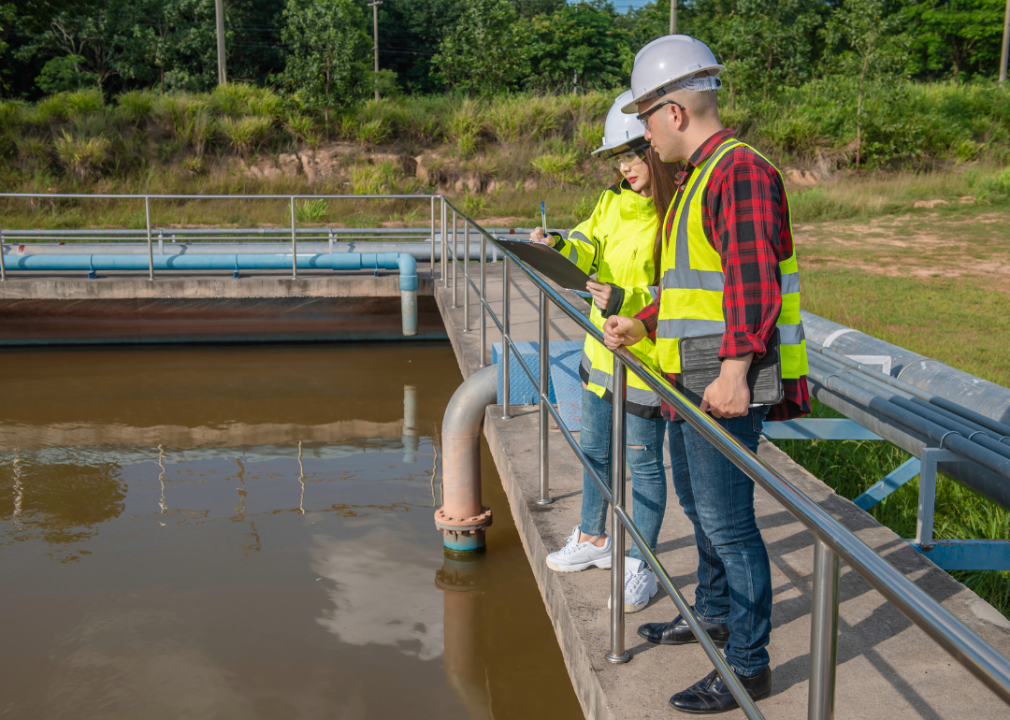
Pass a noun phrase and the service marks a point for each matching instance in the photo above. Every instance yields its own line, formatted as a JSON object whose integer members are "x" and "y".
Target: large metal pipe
{"x": 912, "y": 433}
{"x": 950, "y": 421}
{"x": 933, "y": 376}
{"x": 462, "y": 518}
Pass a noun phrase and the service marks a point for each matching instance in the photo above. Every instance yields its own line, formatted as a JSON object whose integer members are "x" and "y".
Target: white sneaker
{"x": 575, "y": 556}
{"x": 639, "y": 585}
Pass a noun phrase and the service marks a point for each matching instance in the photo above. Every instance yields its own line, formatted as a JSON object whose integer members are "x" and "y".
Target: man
{"x": 728, "y": 268}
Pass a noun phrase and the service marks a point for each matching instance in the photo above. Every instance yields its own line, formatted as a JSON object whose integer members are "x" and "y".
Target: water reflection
{"x": 245, "y": 544}
{"x": 462, "y": 583}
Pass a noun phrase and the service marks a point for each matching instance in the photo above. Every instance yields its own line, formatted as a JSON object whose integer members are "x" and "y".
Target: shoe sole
{"x": 718, "y": 643}
{"x": 578, "y": 568}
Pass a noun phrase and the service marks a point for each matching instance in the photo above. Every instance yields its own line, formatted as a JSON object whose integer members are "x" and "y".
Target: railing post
{"x": 455, "y": 260}
{"x": 294, "y": 244}
{"x": 466, "y": 275}
{"x": 505, "y": 322}
{"x": 823, "y": 634}
{"x": 150, "y": 248}
{"x": 432, "y": 270}
{"x": 545, "y": 358}
{"x": 617, "y": 653}
{"x": 3, "y": 263}
{"x": 483, "y": 300}
{"x": 444, "y": 244}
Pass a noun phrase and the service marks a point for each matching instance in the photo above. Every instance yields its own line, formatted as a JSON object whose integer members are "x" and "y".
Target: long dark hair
{"x": 664, "y": 187}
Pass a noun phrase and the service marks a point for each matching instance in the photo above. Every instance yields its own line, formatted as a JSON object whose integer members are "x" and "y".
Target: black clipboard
{"x": 548, "y": 262}
{"x": 700, "y": 366}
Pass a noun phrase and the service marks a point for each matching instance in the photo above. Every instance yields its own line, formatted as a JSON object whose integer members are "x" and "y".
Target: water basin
{"x": 247, "y": 532}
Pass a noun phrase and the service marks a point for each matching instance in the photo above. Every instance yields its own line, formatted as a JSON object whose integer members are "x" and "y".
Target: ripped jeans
{"x": 644, "y": 452}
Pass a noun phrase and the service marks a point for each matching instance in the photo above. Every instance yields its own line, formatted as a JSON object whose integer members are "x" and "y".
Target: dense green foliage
{"x": 481, "y": 46}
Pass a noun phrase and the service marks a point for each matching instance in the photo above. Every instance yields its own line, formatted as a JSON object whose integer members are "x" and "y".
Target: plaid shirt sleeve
{"x": 649, "y": 315}
{"x": 744, "y": 204}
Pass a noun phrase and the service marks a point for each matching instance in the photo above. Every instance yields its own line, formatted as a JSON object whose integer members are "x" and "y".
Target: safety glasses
{"x": 628, "y": 157}
{"x": 644, "y": 117}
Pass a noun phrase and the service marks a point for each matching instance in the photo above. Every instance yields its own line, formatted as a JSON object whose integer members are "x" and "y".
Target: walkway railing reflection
{"x": 832, "y": 540}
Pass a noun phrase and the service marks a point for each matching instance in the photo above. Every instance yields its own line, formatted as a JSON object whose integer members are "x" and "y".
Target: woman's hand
{"x": 539, "y": 235}
{"x": 600, "y": 292}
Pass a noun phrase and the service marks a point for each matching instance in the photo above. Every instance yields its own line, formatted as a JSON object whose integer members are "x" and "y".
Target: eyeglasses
{"x": 628, "y": 157}
{"x": 644, "y": 117}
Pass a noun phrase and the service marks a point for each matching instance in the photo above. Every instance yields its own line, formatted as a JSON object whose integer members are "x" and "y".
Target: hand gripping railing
{"x": 832, "y": 541}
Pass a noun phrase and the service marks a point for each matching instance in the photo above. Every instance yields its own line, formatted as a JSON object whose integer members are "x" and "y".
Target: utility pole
{"x": 375, "y": 40}
{"x": 1006, "y": 44}
{"x": 222, "y": 78}
{"x": 673, "y": 16}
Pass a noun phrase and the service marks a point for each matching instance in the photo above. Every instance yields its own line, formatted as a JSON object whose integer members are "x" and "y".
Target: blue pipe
{"x": 91, "y": 264}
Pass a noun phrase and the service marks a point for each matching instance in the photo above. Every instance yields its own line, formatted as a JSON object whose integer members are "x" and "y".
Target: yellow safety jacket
{"x": 692, "y": 281}
{"x": 617, "y": 243}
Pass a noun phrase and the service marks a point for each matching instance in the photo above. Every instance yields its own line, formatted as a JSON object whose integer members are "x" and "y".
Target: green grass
{"x": 851, "y": 467}
{"x": 952, "y": 319}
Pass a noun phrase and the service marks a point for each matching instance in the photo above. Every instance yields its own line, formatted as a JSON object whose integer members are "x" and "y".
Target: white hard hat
{"x": 672, "y": 60}
{"x": 621, "y": 132}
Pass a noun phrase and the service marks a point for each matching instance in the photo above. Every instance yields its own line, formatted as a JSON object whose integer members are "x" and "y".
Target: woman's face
{"x": 636, "y": 172}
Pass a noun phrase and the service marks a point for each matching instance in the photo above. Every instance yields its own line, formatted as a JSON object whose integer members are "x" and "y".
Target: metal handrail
{"x": 291, "y": 198}
{"x": 832, "y": 540}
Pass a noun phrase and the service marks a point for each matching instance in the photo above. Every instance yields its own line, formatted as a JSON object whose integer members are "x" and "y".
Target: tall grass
{"x": 851, "y": 467}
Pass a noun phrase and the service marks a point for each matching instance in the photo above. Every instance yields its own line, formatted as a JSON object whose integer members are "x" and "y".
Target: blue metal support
{"x": 894, "y": 480}
{"x": 818, "y": 429}
{"x": 968, "y": 554}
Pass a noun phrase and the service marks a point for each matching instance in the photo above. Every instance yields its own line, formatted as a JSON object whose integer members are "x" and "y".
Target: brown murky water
{"x": 228, "y": 574}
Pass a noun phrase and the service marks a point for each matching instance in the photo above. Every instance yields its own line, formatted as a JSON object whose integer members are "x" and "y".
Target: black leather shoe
{"x": 678, "y": 633}
{"x": 711, "y": 695}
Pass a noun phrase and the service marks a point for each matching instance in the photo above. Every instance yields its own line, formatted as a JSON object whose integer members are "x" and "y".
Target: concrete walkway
{"x": 887, "y": 668}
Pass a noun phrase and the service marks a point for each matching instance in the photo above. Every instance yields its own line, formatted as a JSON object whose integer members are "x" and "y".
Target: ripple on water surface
{"x": 247, "y": 532}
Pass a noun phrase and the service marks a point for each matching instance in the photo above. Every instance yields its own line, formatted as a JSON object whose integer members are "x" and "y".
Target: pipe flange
{"x": 467, "y": 524}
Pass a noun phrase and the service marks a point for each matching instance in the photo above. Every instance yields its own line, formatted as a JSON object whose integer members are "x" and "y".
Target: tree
{"x": 486, "y": 51}
{"x": 955, "y": 35}
{"x": 85, "y": 38}
{"x": 327, "y": 52}
{"x": 578, "y": 39}
{"x": 869, "y": 47}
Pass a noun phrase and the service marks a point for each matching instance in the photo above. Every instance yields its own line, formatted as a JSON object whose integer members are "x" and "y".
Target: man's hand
{"x": 539, "y": 235}
{"x": 600, "y": 292}
{"x": 618, "y": 330}
{"x": 728, "y": 396}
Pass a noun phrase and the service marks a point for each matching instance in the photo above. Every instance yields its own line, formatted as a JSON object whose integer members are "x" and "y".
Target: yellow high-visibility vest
{"x": 692, "y": 281}
{"x": 617, "y": 242}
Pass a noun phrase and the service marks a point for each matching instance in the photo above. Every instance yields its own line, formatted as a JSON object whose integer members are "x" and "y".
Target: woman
{"x": 620, "y": 244}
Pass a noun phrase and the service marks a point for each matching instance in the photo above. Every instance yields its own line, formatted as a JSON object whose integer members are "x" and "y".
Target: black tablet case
{"x": 548, "y": 262}
{"x": 700, "y": 366}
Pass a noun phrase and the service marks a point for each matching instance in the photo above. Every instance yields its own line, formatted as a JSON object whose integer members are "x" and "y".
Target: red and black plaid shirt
{"x": 746, "y": 219}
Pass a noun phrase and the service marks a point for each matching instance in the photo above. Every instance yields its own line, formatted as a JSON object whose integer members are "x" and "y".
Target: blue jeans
{"x": 734, "y": 576}
{"x": 644, "y": 439}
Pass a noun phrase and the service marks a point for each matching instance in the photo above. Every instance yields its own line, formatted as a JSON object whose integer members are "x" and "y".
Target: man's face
{"x": 660, "y": 127}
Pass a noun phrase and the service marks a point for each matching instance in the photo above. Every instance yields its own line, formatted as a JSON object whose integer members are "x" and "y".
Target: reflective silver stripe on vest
{"x": 689, "y": 279}
{"x": 791, "y": 334}
{"x": 790, "y": 283}
{"x": 638, "y": 396}
{"x": 682, "y": 275}
{"x": 682, "y": 328}
{"x": 571, "y": 252}
{"x": 675, "y": 329}
{"x": 653, "y": 292}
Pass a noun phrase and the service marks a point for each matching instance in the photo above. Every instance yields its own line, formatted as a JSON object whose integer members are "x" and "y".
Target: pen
{"x": 543, "y": 216}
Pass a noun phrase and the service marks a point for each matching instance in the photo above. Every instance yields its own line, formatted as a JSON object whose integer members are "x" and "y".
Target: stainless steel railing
{"x": 148, "y": 198}
{"x": 832, "y": 541}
